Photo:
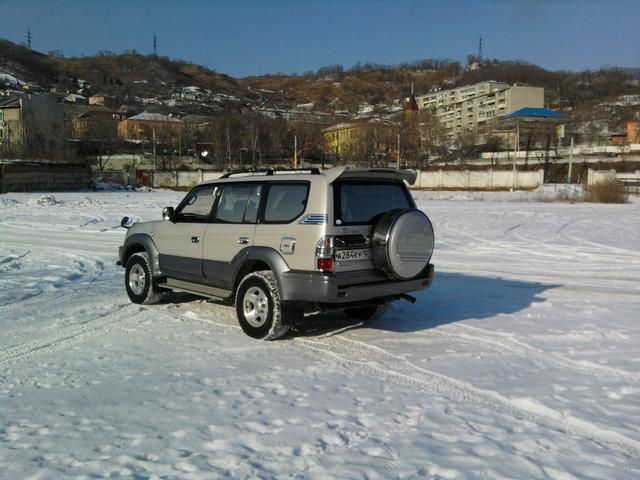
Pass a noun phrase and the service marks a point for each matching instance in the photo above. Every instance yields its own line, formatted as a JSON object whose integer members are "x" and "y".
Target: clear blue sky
{"x": 248, "y": 37}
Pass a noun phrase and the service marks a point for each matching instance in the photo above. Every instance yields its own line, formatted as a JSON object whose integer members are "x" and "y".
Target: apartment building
{"x": 31, "y": 125}
{"x": 360, "y": 138}
{"x": 467, "y": 109}
{"x": 149, "y": 127}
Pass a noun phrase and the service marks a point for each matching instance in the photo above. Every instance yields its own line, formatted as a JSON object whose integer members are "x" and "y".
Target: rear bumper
{"x": 317, "y": 287}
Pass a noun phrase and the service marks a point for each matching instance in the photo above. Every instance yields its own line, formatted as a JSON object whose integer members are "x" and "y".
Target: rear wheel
{"x": 259, "y": 308}
{"x": 138, "y": 280}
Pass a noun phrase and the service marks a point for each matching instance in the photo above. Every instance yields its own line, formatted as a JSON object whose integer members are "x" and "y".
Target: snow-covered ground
{"x": 522, "y": 360}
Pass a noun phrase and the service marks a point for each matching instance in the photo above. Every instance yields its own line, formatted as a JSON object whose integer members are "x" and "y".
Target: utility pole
{"x": 398, "y": 159}
{"x": 516, "y": 148}
{"x": 228, "y": 148}
{"x": 153, "y": 133}
{"x": 570, "y": 160}
{"x": 295, "y": 151}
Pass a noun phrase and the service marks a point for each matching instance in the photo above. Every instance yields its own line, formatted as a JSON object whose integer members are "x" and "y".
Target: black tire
{"x": 138, "y": 280}
{"x": 364, "y": 313}
{"x": 259, "y": 308}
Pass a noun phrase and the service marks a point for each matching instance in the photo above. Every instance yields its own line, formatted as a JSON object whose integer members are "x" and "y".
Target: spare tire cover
{"x": 402, "y": 243}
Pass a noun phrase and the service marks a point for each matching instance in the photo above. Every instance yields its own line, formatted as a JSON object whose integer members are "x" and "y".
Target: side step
{"x": 196, "y": 288}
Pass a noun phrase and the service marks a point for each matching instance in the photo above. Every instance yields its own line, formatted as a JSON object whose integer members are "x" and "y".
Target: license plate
{"x": 354, "y": 255}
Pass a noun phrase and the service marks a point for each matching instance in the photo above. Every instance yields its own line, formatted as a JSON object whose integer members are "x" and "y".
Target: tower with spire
{"x": 155, "y": 44}
{"x": 411, "y": 129}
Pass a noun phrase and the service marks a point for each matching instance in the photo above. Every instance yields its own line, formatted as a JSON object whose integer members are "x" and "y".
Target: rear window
{"x": 361, "y": 203}
{"x": 285, "y": 202}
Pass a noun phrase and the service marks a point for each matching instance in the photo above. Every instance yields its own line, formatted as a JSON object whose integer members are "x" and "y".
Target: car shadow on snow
{"x": 453, "y": 297}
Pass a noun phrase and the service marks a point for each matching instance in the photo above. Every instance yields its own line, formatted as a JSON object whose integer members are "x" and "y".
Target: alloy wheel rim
{"x": 137, "y": 279}
{"x": 255, "y": 306}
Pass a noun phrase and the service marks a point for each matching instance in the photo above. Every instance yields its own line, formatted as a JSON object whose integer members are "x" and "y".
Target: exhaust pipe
{"x": 408, "y": 298}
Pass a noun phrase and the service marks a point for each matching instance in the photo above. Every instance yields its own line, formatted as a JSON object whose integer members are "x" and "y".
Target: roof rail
{"x": 271, "y": 171}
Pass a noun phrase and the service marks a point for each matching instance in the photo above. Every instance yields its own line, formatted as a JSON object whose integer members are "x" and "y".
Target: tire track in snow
{"x": 503, "y": 342}
{"x": 371, "y": 360}
{"x": 69, "y": 335}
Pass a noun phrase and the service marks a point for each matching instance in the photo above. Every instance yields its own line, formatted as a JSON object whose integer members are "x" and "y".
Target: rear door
{"x": 357, "y": 207}
{"x": 231, "y": 231}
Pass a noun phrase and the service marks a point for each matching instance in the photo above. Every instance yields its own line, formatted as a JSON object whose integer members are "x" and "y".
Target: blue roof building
{"x": 531, "y": 112}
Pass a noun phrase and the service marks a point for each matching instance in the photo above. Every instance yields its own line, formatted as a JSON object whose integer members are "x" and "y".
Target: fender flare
{"x": 132, "y": 244}
{"x": 267, "y": 255}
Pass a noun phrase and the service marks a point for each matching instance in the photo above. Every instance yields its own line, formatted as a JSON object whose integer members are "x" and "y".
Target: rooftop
{"x": 534, "y": 112}
{"x": 154, "y": 117}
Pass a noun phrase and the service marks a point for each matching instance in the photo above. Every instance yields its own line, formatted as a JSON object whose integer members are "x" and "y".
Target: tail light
{"x": 325, "y": 264}
{"x": 324, "y": 253}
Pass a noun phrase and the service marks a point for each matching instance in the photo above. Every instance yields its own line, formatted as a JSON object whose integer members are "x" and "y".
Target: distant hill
{"x": 117, "y": 75}
{"x": 330, "y": 88}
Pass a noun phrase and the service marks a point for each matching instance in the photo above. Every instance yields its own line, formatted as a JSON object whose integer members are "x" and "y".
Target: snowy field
{"x": 521, "y": 362}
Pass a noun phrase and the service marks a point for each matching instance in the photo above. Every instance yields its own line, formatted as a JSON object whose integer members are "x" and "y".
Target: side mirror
{"x": 126, "y": 222}
{"x": 167, "y": 213}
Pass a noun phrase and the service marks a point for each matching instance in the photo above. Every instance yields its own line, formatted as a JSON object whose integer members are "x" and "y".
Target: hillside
{"x": 329, "y": 88}
{"x": 118, "y": 75}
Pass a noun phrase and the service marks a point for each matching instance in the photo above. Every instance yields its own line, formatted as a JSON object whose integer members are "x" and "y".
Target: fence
{"x": 48, "y": 177}
{"x": 438, "y": 179}
{"x": 181, "y": 179}
{"x": 629, "y": 180}
{"x": 36, "y": 177}
{"x": 479, "y": 179}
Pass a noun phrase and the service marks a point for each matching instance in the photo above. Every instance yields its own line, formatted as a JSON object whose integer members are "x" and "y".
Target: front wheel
{"x": 138, "y": 280}
{"x": 259, "y": 308}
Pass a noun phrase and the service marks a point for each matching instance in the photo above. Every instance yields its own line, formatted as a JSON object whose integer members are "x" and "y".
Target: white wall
{"x": 598, "y": 176}
{"x": 182, "y": 179}
{"x": 482, "y": 179}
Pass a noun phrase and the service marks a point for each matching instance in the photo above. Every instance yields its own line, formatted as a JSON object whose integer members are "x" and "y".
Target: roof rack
{"x": 271, "y": 171}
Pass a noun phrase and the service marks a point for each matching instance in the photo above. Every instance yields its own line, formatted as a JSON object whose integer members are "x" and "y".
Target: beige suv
{"x": 279, "y": 240}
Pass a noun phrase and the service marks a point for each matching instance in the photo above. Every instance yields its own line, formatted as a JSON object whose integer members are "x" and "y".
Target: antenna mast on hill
{"x": 479, "y": 56}
{"x": 29, "y": 38}
{"x": 155, "y": 44}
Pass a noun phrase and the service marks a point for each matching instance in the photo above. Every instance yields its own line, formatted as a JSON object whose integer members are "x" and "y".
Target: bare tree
{"x": 100, "y": 132}
{"x": 465, "y": 146}
{"x": 431, "y": 133}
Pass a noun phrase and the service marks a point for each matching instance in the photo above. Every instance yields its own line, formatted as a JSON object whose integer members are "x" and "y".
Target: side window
{"x": 285, "y": 202}
{"x": 196, "y": 207}
{"x": 251, "y": 212}
{"x": 233, "y": 202}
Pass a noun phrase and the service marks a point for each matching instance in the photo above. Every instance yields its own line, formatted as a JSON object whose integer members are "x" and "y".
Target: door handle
{"x": 195, "y": 239}
{"x": 243, "y": 240}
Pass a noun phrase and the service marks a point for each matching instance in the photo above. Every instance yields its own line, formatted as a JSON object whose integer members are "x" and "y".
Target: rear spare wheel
{"x": 402, "y": 243}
